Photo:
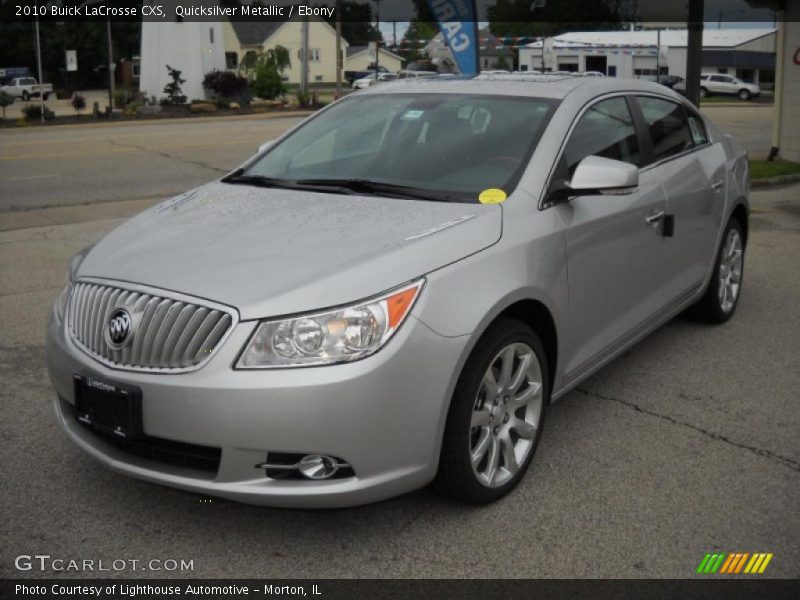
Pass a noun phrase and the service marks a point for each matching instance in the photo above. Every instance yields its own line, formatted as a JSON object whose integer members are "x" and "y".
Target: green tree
{"x": 268, "y": 73}
{"x": 517, "y": 18}
{"x": 173, "y": 89}
{"x": 502, "y": 60}
{"x": 356, "y": 18}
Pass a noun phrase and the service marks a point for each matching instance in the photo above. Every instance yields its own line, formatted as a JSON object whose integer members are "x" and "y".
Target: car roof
{"x": 534, "y": 86}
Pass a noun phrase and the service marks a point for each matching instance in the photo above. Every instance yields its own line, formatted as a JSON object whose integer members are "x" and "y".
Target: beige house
{"x": 359, "y": 59}
{"x": 243, "y": 37}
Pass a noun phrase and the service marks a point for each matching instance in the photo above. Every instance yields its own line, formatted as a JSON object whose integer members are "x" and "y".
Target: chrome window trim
{"x": 153, "y": 291}
{"x": 541, "y": 205}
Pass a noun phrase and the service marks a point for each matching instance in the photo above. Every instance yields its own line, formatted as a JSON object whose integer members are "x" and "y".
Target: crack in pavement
{"x": 196, "y": 163}
{"x": 784, "y": 460}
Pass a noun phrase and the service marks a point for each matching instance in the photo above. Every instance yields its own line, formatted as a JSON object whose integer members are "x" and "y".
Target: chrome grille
{"x": 168, "y": 333}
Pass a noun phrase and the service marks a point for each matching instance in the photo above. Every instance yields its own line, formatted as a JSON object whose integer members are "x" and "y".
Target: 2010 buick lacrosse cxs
{"x": 393, "y": 292}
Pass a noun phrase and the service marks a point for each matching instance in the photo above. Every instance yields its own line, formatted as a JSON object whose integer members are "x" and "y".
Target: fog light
{"x": 317, "y": 466}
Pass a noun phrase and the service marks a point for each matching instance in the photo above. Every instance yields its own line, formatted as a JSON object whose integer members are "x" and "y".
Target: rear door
{"x": 692, "y": 173}
{"x": 613, "y": 254}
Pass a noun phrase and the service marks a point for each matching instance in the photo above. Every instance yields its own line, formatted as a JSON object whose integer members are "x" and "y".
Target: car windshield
{"x": 438, "y": 146}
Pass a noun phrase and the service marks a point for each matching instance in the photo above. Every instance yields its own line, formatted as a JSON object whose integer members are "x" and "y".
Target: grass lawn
{"x": 761, "y": 169}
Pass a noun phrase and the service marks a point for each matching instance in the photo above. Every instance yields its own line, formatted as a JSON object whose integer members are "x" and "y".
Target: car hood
{"x": 270, "y": 252}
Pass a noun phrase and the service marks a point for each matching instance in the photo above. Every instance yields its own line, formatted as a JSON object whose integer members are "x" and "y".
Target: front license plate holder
{"x": 108, "y": 406}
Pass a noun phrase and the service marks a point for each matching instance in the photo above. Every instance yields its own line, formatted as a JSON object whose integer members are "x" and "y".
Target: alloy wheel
{"x": 506, "y": 415}
{"x": 730, "y": 271}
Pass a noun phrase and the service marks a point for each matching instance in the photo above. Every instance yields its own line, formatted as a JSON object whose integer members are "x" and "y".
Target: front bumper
{"x": 384, "y": 415}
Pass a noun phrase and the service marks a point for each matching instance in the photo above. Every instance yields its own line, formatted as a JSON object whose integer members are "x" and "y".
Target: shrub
{"x": 270, "y": 65}
{"x": 5, "y": 100}
{"x": 222, "y": 103}
{"x": 303, "y": 99}
{"x": 124, "y": 96}
{"x": 225, "y": 84}
{"x": 78, "y": 103}
{"x": 173, "y": 90}
{"x": 33, "y": 112}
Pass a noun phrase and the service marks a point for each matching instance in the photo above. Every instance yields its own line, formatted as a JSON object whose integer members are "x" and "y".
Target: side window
{"x": 697, "y": 128}
{"x": 667, "y": 126}
{"x": 606, "y": 130}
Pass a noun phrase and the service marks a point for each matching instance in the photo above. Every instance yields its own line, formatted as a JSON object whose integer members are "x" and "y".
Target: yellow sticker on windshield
{"x": 492, "y": 196}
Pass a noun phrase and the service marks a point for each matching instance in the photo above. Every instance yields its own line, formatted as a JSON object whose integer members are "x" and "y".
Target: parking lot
{"x": 687, "y": 444}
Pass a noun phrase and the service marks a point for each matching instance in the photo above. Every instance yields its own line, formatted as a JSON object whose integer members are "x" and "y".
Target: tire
{"x": 716, "y": 306}
{"x": 703, "y": 92}
{"x": 46, "y": 96}
{"x": 745, "y": 94}
{"x": 502, "y": 428}
{"x": 25, "y": 96}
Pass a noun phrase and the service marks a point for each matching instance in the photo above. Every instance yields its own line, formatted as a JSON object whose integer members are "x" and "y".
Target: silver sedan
{"x": 394, "y": 292}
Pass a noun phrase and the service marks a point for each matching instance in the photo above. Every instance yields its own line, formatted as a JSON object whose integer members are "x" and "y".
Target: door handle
{"x": 717, "y": 185}
{"x": 654, "y": 217}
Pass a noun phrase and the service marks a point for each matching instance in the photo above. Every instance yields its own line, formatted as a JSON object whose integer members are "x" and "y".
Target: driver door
{"x": 614, "y": 242}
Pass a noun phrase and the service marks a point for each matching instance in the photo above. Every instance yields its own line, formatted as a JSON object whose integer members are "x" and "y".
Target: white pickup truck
{"x": 26, "y": 87}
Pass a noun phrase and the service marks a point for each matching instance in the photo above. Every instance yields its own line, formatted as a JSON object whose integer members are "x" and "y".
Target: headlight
{"x": 341, "y": 335}
{"x": 62, "y": 301}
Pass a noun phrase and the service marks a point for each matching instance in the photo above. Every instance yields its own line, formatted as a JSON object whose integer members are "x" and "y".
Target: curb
{"x": 165, "y": 121}
{"x": 780, "y": 180}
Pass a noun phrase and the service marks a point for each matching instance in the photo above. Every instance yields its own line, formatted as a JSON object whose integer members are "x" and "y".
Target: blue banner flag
{"x": 458, "y": 22}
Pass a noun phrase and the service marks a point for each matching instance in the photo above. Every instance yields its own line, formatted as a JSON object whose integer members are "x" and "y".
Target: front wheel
{"x": 722, "y": 295}
{"x": 496, "y": 415}
{"x": 745, "y": 94}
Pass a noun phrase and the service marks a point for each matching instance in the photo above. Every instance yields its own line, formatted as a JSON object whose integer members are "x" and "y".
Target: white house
{"x": 192, "y": 47}
{"x": 360, "y": 59}
{"x": 747, "y": 53}
{"x": 243, "y": 37}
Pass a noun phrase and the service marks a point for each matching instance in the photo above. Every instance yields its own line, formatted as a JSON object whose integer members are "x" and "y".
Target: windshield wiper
{"x": 238, "y": 177}
{"x": 366, "y": 186}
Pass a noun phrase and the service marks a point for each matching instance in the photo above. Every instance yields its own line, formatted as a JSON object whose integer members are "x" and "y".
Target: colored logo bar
{"x": 733, "y": 563}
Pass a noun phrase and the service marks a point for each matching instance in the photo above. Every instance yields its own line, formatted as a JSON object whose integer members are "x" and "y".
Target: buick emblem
{"x": 118, "y": 329}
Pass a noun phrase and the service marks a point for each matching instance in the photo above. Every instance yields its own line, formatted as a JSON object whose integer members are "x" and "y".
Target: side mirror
{"x": 595, "y": 175}
{"x": 265, "y": 146}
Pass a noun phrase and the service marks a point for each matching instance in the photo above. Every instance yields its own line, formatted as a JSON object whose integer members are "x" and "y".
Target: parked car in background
{"x": 406, "y": 74}
{"x": 364, "y": 82}
{"x": 393, "y": 292}
{"x": 711, "y": 83}
{"x": 669, "y": 80}
{"x": 26, "y": 88}
{"x": 352, "y": 76}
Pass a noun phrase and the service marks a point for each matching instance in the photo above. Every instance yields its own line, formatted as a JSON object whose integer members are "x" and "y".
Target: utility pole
{"x": 110, "y": 68}
{"x": 304, "y": 69}
{"x": 694, "y": 51}
{"x": 338, "y": 53}
{"x": 39, "y": 64}
{"x": 658, "y": 54}
{"x": 380, "y": 37}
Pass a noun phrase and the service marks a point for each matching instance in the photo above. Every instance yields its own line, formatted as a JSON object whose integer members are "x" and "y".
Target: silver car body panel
{"x": 604, "y": 274}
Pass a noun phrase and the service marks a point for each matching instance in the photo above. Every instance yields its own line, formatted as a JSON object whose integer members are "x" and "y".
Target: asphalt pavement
{"x": 687, "y": 444}
{"x": 67, "y": 165}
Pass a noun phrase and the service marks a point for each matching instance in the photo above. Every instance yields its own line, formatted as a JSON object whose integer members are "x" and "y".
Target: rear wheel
{"x": 26, "y": 96}
{"x": 722, "y": 295}
{"x": 496, "y": 415}
{"x": 703, "y": 92}
{"x": 745, "y": 94}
